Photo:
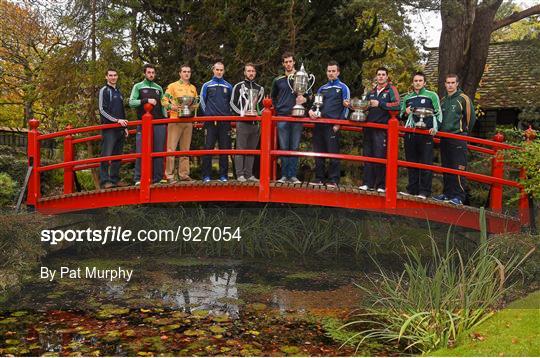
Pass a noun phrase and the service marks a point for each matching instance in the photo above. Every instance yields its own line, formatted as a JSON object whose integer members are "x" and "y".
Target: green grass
{"x": 513, "y": 331}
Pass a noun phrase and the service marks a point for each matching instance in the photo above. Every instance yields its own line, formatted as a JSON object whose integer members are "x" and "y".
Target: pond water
{"x": 186, "y": 306}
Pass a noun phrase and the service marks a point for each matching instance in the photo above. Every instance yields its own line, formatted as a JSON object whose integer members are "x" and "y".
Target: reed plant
{"x": 432, "y": 302}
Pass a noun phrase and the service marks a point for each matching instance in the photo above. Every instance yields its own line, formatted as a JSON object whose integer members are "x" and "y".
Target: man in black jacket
{"x": 247, "y": 133}
{"x": 111, "y": 110}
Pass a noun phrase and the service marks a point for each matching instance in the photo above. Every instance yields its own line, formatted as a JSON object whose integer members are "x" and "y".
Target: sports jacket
{"x": 334, "y": 93}
{"x": 424, "y": 98}
{"x": 238, "y": 102}
{"x": 458, "y": 113}
{"x": 111, "y": 104}
{"x": 141, "y": 93}
{"x": 216, "y": 97}
{"x": 388, "y": 98}
{"x": 174, "y": 90}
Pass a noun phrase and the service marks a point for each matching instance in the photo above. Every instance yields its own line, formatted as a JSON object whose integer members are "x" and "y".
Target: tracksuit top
{"x": 111, "y": 105}
{"x": 141, "y": 93}
{"x": 174, "y": 90}
{"x": 238, "y": 103}
{"x": 388, "y": 98}
{"x": 216, "y": 97}
{"x": 424, "y": 98}
{"x": 334, "y": 93}
{"x": 458, "y": 113}
{"x": 283, "y": 97}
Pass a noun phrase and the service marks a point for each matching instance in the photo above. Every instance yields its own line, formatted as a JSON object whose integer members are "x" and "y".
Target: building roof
{"x": 511, "y": 76}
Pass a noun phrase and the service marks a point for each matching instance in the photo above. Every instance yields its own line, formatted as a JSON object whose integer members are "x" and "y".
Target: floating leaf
{"x": 258, "y": 306}
{"x": 221, "y": 318}
{"x": 12, "y": 342}
{"x": 200, "y": 313}
{"x": 194, "y": 332}
{"x": 290, "y": 349}
{"x": 8, "y": 320}
{"x": 170, "y": 327}
{"x": 19, "y": 313}
{"x": 217, "y": 329}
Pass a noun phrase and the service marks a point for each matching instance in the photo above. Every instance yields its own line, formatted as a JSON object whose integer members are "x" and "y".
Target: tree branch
{"x": 516, "y": 16}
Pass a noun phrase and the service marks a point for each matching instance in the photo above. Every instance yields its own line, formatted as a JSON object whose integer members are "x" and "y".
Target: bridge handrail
{"x": 268, "y": 154}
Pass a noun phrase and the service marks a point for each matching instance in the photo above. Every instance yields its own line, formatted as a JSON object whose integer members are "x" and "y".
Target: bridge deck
{"x": 345, "y": 196}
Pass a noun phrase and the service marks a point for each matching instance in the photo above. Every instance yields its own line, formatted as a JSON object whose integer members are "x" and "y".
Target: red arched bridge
{"x": 268, "y": 190}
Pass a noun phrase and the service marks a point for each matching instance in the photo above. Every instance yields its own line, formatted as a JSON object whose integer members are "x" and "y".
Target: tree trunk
{"x": 28, "y": 113}
{"x": 135, "y": 52}
{"x": 455, "y": 44}
{"x": 480, "y": 37}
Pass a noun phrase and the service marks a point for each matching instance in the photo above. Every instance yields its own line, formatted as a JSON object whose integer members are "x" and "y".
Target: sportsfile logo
{"x": 119, "y": 234}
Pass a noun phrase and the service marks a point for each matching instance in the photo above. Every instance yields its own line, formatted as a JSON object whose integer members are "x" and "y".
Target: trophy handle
{"x": 289, "y": 82}
{"x": 312, "y": 78}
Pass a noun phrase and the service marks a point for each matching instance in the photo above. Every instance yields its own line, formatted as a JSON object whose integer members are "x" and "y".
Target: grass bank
{"x": 513, "y": 331}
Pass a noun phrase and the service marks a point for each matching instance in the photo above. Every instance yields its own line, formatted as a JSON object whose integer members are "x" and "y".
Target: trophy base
{"x": 358, "y": 117}
{"x": 420, "y": 125}
{"x": 251, "y": 113}
{"x": 298, "y": 111}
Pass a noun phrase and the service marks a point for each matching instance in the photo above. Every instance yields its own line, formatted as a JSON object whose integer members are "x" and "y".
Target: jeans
{"x": 289, "y": 134}
{"x": 112, "y": 143}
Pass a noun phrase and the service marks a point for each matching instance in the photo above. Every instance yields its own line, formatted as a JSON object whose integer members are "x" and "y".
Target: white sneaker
{"x": 381, "y": 190}
{"x": 252, "y": 178}
{"x": 282, "y": 180}
{"x": 404, "y": 193}
{"x": 363, "y": 187}
{"x": 423, "y": 197}
{"x": 295, "y": 180}
{"x": 241, "y": 178}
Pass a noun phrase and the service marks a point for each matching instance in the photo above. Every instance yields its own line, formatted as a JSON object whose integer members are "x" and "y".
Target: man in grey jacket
{"x": 247, "y": 132}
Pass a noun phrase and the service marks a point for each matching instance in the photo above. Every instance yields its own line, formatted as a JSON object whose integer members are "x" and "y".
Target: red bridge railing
{"x": 269, "y": 154}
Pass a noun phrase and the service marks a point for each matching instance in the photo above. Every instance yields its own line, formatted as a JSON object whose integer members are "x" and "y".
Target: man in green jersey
{"x": 147, "y": 91}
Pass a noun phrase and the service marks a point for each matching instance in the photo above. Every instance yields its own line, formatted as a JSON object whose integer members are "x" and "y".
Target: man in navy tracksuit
{"x": 289, "y": 133}
{"x": 215, "y": 101}
{"x": 326, "y": 136}
{"x": 111, "y": 110}
{"x": 383, "y": 98}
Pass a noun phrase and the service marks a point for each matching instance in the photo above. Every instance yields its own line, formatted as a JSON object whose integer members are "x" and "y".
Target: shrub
{"x": 430, "y": 304}
{"x": 7, "y": 189}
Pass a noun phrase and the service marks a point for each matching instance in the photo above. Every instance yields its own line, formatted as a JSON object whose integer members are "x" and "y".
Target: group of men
{"x": 454, "y": 114}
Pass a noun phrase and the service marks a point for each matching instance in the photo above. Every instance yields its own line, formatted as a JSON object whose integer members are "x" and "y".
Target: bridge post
{"x": 68, "y": 157}
{"x": 392, "y": 150}
{"x": 34, "y": 159}
{"x": 146, "y": 153}
{"x": 497, "y": 171}
{"x": 266, "y": 138}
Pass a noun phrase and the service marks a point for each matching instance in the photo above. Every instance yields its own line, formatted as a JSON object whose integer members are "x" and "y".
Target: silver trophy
{"x": 301, "y": 84}
{"x": 186, "y": 102}
{"x": 359, "y": 107}
{"x": 422, "y": 112}
{"x": 251, "y": 98}
{"x": 318, "y": 102}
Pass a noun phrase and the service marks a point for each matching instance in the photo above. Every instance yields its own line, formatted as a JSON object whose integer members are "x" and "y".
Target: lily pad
{"x": 170, "y": 327}
{"x": 200, "y": 313}
{"x": 110, "y": 312}
{"x": 194, "y": 332}
{"x": 292, "y": 350}
{"x": 217, "y": 329}
{"x": 19, "y": 313}
{"x": 8, "y": 320}
{"x": 221, "y": 318}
